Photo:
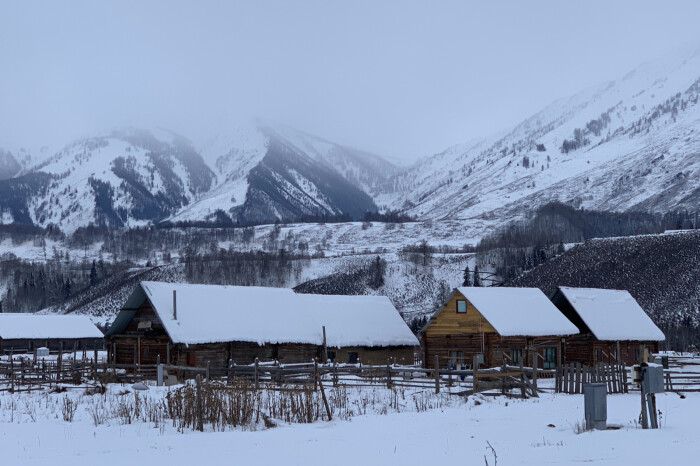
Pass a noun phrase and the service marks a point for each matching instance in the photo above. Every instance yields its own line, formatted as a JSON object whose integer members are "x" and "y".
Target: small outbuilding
{"x": 613, "y": 328}
{"x": 24, "y": 332}
{"x": 195, "y": 325}
{"x": 497, "y": 325}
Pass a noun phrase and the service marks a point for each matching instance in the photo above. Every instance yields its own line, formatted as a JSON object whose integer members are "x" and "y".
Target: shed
{"x": 194, "y": 325}
{"x": 497, "y": 324}
{"x": 612, "y": 326}
{"x": 23, "y": 332}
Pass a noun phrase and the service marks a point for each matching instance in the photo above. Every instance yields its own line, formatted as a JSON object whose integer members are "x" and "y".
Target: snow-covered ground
{"x": 534, "y": 431}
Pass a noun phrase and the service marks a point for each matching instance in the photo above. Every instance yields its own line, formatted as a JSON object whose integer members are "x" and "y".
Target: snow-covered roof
{"x": 212, "y": 313}
{"x": 358, "y": 320}
{"x": 519, "y": 311}
{"x": 35, "y": 326}
{"x": 612, "y": 314}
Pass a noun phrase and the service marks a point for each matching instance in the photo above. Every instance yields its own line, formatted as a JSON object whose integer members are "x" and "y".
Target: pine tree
{"x": 67, "y": 287}
{"x": 467, "y": 277}
{"x": 93, "y": 274}
{"x": 377, "y": 273}
{"x": 477, "y": 278}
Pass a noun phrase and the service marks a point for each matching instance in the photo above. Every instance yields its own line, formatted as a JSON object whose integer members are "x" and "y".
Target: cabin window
{"x": 637, "y": 355}
{"x": 191, "y": 359}
{"x": 516, "y": 354}
{"x": 598, "y": 355}
{"x": 550, "y": 358}
{"x": 455, "y": 360}
{"x": 330, "y": 355}
{"x": 352, "y": 357}
{"x": 461, "y": 306}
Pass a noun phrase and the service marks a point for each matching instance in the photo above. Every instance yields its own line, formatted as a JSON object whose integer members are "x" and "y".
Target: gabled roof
{"x": 212, "y": 313}
{"x": 612, "y": 315}
{"x": 518, "y": 311}
{"x": 42, "y": 326}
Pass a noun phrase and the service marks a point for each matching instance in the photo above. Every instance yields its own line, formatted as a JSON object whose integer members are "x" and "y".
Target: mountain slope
{"x": 270, "y": 172}
{"x": 629, "y": 144}
{"x": 9, "y": 166}
{"x": 658, "y": 270}
{"x": 122, "y": 178}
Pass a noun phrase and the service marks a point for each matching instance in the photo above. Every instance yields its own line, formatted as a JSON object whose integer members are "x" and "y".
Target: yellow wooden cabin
{"x": 497, "y": 325}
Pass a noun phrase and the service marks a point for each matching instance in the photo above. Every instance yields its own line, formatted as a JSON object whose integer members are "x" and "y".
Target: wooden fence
{"x": 25, "y": 374}
{"x": 571, "y": 377}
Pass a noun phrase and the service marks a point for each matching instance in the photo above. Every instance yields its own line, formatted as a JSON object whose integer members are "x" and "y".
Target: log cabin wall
{"x": 241, "y": 352}
{"x": 586, "y": 349}
{"x": 373, "y": 355}
{"x": 143, "y": 340}
{"x": 450, "y": 331}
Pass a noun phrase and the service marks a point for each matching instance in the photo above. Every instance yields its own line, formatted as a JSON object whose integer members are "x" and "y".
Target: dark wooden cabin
{"x": 497, "y": 324}
{"x": 196, "y": 325}
{"x": 610, "y": 323}
{"x": 23, "y": 333}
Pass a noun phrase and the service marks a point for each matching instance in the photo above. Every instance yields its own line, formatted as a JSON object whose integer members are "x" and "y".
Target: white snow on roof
{"x": 210, "y": 313}
{"x": 612, "y": 314}
{"x": 34, "y": 326}
{"x": 358, "y": 320}
{"x": 519, "y": 311}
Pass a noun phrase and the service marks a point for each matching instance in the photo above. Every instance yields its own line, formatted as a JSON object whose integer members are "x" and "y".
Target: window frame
{"x": 460, "y": 301}
{"x": 547, "y": 362}
{"x": 516, "y": 355}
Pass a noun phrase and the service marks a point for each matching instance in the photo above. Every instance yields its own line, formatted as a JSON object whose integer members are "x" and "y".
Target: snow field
{"x": 533, "y": 431}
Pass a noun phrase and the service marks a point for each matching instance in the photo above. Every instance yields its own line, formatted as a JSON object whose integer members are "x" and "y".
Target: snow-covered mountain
{"x": 630, "y": 144}
{"x": 254, "y": 174}
{"x": 125, "y": 177}
{"x": 267, "y": 172}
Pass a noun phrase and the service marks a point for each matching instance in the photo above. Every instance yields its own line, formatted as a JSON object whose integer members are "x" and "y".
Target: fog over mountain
{"x": 401, "y": 80}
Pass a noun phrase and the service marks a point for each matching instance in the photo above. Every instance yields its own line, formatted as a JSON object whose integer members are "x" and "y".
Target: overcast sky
{"x": 402, "y": 79}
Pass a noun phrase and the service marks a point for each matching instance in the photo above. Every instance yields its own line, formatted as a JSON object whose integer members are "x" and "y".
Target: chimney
{"x": 174, "y": 305}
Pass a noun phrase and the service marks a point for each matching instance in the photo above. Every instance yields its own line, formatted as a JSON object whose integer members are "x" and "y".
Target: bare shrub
{"x": 68, "y": 408}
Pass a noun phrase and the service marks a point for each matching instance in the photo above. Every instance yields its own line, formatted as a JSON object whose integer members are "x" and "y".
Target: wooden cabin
{"x": 196, "y": 325}
{"x": 23, "y": 333}
{"x": 610, "y": 323}
{"x": 496, "y": 324}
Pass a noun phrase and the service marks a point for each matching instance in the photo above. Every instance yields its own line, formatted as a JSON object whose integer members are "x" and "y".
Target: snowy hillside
{"x": 658, "y": 270}
{"x": 267, "y": 172}
{"x": 629, "y": 144}
{"x": 122, "y": 178}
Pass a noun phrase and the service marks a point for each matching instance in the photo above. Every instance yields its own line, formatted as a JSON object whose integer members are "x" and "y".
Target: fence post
{"x": 160, "y": 375}
{"x": 437, "y": 374}
{"x": 208, "y": 368}
{"x": 315, "y": 374}
{"x": 200, "y": 421}
{"x": 12, "y": 370}
{"x": 523, "y": 393}
{"x": 388, "y": 373}
{"x": 475, "y": 373}
{"x": 114, "y": 357}
{"x": 534, "y": 368}
{"x": 256, "y": 373}
{"x": 228, "y": 372}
